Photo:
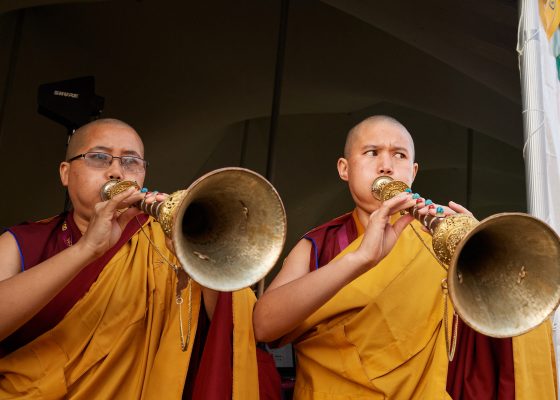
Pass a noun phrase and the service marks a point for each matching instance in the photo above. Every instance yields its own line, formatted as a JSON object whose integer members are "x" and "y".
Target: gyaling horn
{"x": 228, "y": 228}
{"x": 504, "y": 272}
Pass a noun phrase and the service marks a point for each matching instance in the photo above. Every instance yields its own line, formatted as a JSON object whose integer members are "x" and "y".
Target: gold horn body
{"x": 228, "y": 228}
{"x": 503, "y": 272}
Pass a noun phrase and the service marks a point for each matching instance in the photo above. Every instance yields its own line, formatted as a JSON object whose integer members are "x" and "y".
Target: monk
{"x": 91, "y": 304}
{"x": 363, "y": 301}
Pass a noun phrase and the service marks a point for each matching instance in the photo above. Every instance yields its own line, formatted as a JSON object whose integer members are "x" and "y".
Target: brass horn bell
{"x": 228, "y": 228}
{"x": 504, "y": 272}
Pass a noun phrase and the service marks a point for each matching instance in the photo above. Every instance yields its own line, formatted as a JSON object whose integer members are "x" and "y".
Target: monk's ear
{"x": 64, "y": 170}
{"x": 414, "y": 170}
{"x": 342, "y": 166}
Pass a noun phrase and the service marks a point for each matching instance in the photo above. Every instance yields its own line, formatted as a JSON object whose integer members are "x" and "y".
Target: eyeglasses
{"x": 98, "y": 160}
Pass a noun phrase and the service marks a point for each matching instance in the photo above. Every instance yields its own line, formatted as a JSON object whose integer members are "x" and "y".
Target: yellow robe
{"x": 121, "y": 340}
{"x": 382, "y": 336}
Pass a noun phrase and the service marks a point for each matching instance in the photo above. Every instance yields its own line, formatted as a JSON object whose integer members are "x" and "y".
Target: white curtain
{"x": 541, "y": 99}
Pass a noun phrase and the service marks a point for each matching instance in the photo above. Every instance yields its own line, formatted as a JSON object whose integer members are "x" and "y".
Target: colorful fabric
{"x": 120, "y": 340}
{"x": 362, "y": 344}
{"x": 550, "y": 16}
{"x": 38, "y": 241}
{"x": 253, "y": 374}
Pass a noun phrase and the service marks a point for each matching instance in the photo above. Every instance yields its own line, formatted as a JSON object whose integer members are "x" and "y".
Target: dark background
{"x": 196, "y": 80}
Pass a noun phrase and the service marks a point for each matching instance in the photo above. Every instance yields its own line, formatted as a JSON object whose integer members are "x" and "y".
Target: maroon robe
{"x": 215, "y": 375}
{"x": 482, "y": 368}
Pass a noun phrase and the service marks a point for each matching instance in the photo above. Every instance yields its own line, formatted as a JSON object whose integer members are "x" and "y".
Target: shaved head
{"x": 82, "y": 178}
{"x": 373, "y": 120}
{"x": 78, "y": 139}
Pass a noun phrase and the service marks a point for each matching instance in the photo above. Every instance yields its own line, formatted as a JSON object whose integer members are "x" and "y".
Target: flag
{"x": 539, "y": 39}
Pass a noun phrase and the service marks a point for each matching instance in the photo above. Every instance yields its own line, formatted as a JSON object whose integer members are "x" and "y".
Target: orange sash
{"x": 121, "y": 340}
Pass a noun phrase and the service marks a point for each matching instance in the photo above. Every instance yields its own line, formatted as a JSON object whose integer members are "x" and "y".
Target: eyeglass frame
{"x": 83, "y": 156}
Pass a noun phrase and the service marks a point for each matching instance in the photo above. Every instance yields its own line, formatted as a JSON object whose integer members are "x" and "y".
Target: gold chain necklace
{"x": 454, "y": 330}
{"x": 183, "y": 281}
